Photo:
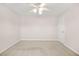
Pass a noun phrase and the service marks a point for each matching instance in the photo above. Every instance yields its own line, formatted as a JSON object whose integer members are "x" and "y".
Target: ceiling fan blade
{"x": 34, "y": 10}
{"x": 33, "y": 5}
{"x": 42, "y": 5}
{"x": 43, "y": 9}
{"x": 40, "y": 11}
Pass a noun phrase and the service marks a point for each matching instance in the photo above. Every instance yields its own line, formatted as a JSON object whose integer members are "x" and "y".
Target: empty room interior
{"x": 39, "y": 29}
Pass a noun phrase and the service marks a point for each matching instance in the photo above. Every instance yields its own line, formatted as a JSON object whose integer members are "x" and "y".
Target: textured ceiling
{"x": 55, "y": 9}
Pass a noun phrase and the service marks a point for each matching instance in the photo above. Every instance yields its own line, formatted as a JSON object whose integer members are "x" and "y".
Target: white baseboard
{"x": 70, "y": 48}
{"x": 41, "y": 39}
{"x": 9, "y": 46}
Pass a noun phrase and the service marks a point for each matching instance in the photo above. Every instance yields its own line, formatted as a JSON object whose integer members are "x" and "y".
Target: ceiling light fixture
{"x": 39, "y": 8}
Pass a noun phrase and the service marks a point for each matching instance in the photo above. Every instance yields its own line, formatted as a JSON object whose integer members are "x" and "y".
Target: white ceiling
{"x": 24, "y": 8}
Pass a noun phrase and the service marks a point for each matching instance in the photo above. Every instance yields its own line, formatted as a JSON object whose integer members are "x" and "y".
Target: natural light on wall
{"x": 38, "y": 8}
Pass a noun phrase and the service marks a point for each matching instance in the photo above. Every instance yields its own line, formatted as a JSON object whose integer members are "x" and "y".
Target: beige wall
{"x": 38, "y": 27}
{"x": 8, "y": 28}
{"x": 71, "y": 22}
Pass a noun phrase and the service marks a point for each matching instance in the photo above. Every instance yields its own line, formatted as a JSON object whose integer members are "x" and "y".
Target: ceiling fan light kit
{"x": 38, "y": 8}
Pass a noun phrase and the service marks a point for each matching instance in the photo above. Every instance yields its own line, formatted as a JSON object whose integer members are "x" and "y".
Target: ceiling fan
{"x": 39, "y": 8}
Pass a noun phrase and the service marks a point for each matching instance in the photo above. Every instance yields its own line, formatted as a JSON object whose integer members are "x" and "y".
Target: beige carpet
{"x": 38, "y": 48}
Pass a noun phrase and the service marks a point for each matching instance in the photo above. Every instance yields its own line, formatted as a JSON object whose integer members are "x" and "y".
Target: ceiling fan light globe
{"x": 40, "y": 12}
{"x": 35, "y": 10}
{"x": 42, "y": 5}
